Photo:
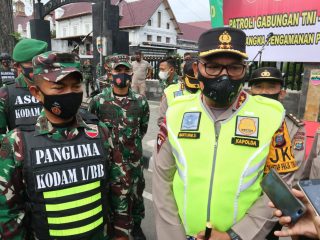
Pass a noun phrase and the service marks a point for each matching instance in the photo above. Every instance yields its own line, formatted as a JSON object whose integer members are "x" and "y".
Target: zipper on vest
{"x": 212, "y": 178}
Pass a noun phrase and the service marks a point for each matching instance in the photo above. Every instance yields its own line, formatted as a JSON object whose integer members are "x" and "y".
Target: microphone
{"x": 270, "y": 35}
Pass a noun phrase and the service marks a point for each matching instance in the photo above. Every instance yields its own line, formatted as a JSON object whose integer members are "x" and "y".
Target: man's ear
{"x": 34, "y": 90}
{"x": 282, "y": 94}
{"x": 195, "y": 69}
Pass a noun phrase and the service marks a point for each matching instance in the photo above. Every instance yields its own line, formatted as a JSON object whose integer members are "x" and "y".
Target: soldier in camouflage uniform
{"x": 7, "y": 74}
{"x": 87, "y": 75}
{"x": 17, "y": 106}
{"x": 55, "y": 175}
{"x": 105, "y": 80}
{"x": 127, "y": 114}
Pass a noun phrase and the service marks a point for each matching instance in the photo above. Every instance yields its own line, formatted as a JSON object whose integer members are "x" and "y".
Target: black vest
{"x": 59, "y": 175}
{"x": 7, "y": 77}
{"x": 24, "y": 109}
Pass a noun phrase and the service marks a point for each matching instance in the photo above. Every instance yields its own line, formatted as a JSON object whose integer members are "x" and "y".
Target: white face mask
{"x": 163, "y": 75}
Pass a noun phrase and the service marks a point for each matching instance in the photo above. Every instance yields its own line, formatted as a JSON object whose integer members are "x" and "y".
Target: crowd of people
{"x": 74, "y": 172}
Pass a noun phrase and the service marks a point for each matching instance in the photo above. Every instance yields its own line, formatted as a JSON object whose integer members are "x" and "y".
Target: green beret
{"x": 26, "y": 49}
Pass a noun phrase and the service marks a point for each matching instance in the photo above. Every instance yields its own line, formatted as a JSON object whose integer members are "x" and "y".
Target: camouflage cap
{"x": 26, "y": 49}
{"x": 54, "y": 66}
{"x": 120, "y": 59}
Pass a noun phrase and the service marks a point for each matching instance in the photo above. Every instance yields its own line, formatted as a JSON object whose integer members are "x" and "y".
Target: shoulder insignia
{"x": 295, "y": 120}
{"x": 93, "y": 131}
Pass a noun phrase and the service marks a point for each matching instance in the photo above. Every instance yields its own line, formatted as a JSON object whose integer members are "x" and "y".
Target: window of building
{"x": 75, "y": 30}
{"x": 149, "y": 38}
{"x": 168, "y": 25}
{"x": 167, "y": 40}
{"x": 64, "y": 32}
{"x": 149, "y": 22}
{"x": 158, "y": 38}
{"x": 159, "y": 19}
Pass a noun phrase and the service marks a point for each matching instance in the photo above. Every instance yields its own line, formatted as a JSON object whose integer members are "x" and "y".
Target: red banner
{"x": 294, "y": 23}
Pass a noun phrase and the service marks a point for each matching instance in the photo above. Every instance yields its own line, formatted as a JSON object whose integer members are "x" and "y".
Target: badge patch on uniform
{"x": 191, "y": 121}
{"x": 178, "y": 93}
{"x": 93, "y": 132}
{"x": 247, "y": 126}
{"x": 160, "y": 141}
{"x": 190, "y": 135}
{"x": 279, "y": 140}
{"x": 298, "y": 144}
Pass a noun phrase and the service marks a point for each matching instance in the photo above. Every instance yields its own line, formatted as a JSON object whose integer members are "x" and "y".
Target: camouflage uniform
{"x": 87, "y": 76}
{"x": 5, "y": 107}
{"x": 128, "y": 118}
{"x": 165, "y": 84}
{"x": 13, "y": 218}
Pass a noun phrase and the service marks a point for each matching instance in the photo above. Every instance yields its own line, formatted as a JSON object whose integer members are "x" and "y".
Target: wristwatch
{"x": 233, "y": 235}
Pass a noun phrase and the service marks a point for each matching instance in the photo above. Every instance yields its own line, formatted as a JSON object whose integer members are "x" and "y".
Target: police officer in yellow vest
{"x": 211, "y": 150}
{"x": 188, "y": 85}
{"x": 268, "y": 82}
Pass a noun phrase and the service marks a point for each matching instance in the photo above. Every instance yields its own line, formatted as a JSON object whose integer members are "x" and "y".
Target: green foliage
{"x": 17, "y": 36}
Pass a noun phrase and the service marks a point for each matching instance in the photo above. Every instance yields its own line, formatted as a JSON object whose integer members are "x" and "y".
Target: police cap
{"x": 223, "y": 40}
{"x": 266, "y": 74}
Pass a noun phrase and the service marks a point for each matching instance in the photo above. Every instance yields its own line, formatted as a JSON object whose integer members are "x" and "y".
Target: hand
{"x": 215, "y": 235}
{"x": 308, "y": 225}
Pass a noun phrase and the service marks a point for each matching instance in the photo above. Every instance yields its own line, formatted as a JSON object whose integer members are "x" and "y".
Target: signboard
{"x": 315, "y": 77}
{"x": 295, "y": 25}
{"x": 102, "y": 45}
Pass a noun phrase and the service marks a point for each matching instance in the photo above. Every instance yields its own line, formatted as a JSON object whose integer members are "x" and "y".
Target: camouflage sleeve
{"x": 145, "y": 117}
{"x": 93, "y": 106}
{"x": 3, "y": 107}
{"x": 12, "y": 208}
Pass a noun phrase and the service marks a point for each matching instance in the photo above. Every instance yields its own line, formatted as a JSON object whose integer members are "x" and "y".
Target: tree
{"x": 6, "y": 26}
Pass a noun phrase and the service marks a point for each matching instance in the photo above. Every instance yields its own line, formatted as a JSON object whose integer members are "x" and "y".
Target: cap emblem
{"x": 265, "y": 73}
{"x": 225, "y": 40}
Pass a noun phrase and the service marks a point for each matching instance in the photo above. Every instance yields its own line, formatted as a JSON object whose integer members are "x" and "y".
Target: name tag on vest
{"x": 27, "y": 112}
{"x": 190, "y": 135}
{"x": 68, "y": 176}
{"x": 245, "y": 142}
{"x": 56, "y": 155}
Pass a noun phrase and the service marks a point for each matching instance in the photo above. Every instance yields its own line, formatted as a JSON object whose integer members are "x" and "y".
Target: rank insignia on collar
{"x": 178, "y": 93}
{"x": 93, "y": 132}
{"x": 191, "y": 121}
{"x": 247, "y": 126}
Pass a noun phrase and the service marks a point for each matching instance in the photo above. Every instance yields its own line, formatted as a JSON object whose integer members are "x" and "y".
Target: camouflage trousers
{"x": 127, "y": 185}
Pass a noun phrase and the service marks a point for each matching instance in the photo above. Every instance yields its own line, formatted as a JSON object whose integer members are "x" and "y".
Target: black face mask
{"x": 64, "y": 106}
{"x": 271, "y": 96}
{"x": 221, "y": 89}
{"x": 121, "y": 80}
{"x": 27, "y": 72}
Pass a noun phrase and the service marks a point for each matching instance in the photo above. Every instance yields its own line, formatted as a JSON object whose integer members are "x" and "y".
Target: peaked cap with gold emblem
{"x": 266, "y": 74}
{"x": 223, "y": 40}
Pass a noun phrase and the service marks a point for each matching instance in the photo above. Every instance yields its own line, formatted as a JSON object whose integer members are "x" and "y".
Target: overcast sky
{"x": 188, "y": 10}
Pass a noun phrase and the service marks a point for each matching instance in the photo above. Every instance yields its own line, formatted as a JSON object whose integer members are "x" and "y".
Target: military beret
{"x": 26, "y": 49}
{"x": 54, "y": 66}
{"x": 223, "y": 40}
{"x": 269, "y": 74}
{"x": 121, "y": 59}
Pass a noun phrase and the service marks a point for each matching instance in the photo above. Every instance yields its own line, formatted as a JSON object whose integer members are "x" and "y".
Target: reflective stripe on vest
{"x": 237, "y": 171}
{"x": 66, "y": 185}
